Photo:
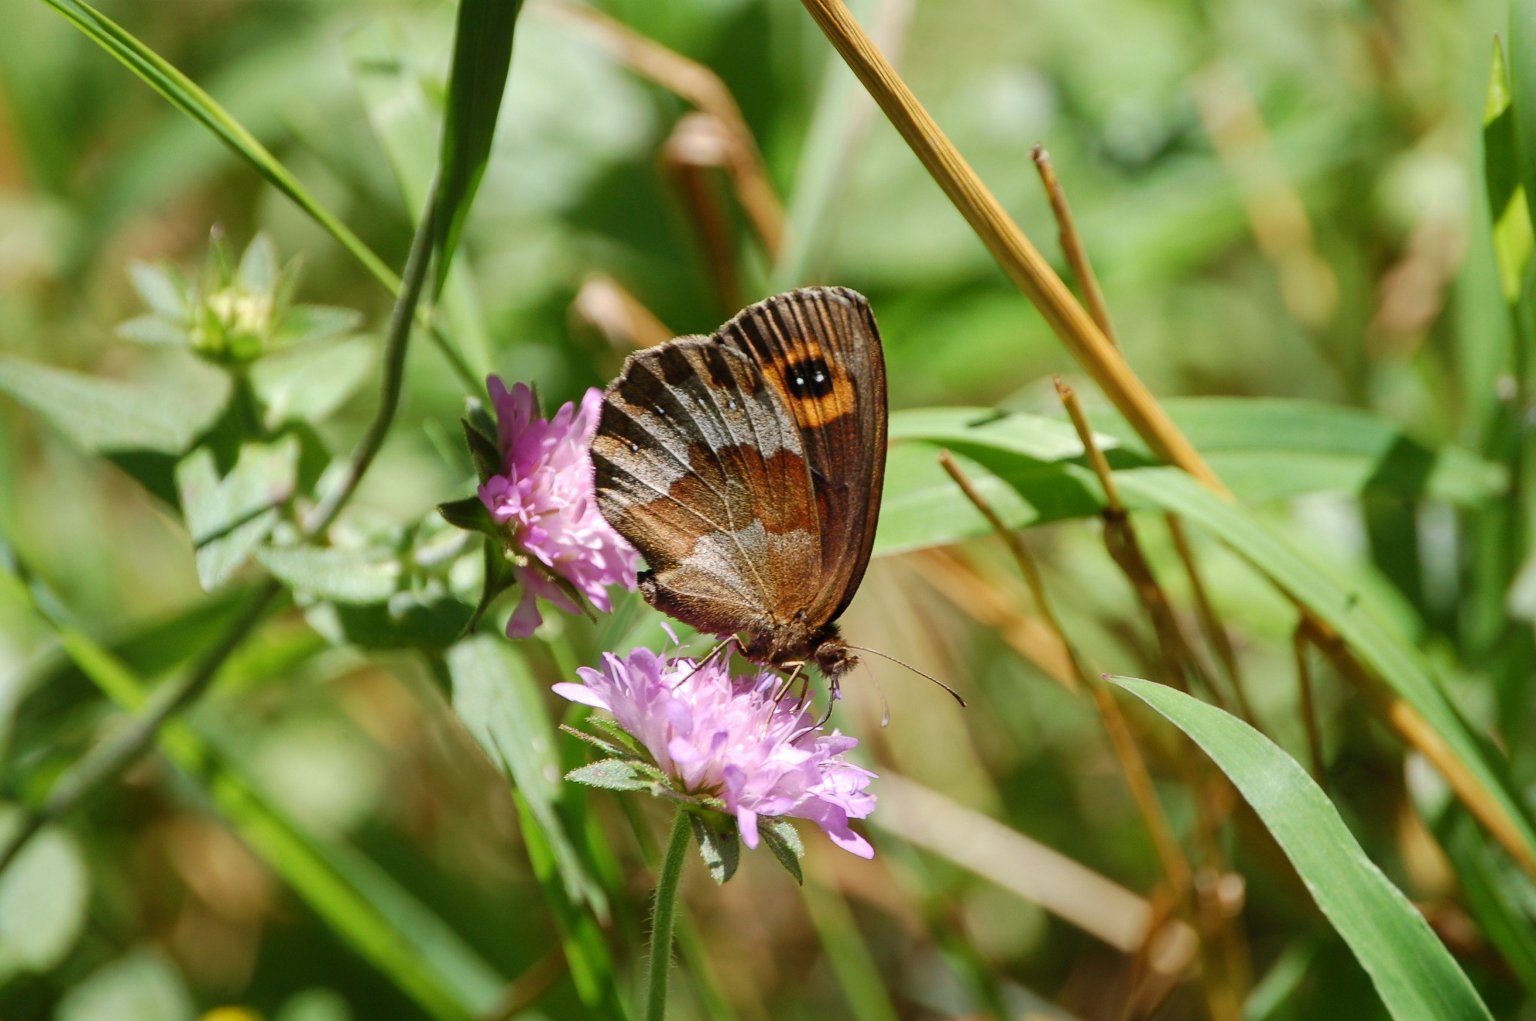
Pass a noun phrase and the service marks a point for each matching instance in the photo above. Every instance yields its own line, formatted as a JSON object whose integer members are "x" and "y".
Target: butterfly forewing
{"x": 699, "y": 465}
{"x": 819, "y": 348}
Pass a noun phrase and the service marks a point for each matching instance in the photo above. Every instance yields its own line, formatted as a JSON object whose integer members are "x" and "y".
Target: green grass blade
{"x": 186, "y": 96}
{"x": 402, "y": 938}
{"x": 482, "y": 56}
{"x": 1414, "y": 974}
{"x": 1264, "y": 449}
{"x": 1352, "y": 614}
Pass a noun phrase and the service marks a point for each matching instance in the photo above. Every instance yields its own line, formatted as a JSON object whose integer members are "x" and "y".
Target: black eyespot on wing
{"x": 810, "y": 378}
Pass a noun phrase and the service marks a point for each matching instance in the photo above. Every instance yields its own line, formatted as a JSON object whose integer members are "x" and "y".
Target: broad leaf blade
{"x": 103, "y": 415}
{"x": 1414, "y": 974}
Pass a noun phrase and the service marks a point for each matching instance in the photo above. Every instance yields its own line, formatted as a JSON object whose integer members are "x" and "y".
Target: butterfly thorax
{"x": 784, "y": 644}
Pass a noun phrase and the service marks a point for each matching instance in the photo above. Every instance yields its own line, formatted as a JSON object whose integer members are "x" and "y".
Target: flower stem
{"x": 663, "y": 915}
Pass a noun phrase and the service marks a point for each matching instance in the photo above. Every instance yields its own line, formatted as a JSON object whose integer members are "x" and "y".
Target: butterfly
{"x": 746, "y": 467}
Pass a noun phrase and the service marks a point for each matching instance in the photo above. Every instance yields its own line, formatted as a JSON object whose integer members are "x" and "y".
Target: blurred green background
{"x": 1280, "y": 200}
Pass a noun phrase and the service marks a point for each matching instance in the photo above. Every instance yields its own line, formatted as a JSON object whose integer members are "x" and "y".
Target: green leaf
{"x": 495, "y": 695}
{"x": 1354, "y": 615}
{"x": 139, "y": 986}
{"x": 781, "y": 837}
{"x": 44, "y": 895}
{"x": 613, "y": 775}
{"x": 306, "y": 384}
{"x": 402, "y": 938}
{"x": 101, "y": 415}
{"x": 482, "y": 56}
{"x": 1413, "y": 973}
{"x": 1027, "y": 466}
{"x": 162, "y": 288}
{"x": 469, "y": 514}
{"x": 338, "y": 575}
{"x": 719, "y": 843}
{"x": 1522, "y": 80}
{"x": 1512, "y": 232}
{"x": 431, "y": 619}
{"x": 230, "y": 515}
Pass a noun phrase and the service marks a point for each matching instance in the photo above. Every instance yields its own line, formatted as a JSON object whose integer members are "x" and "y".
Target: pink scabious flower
{"x": 544, "y": 500}
{"x": 726, "y": 737}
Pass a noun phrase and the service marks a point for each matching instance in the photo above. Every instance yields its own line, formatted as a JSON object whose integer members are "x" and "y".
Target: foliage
{"x": 222, "y": 460}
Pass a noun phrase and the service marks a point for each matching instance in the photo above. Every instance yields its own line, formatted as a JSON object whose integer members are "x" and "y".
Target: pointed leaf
{"x": 482, "y": 56}
{"x": 230, "y": 515}
{"x": 495, "y": 695}
{"x": 1412, "y": 971}
{"x": 719, "y": 844}
{"x": 613, "y": 775}
{"x": 781, "y": 837}
{"x": 306, "y": 384}
{"x": 338, "y": 575}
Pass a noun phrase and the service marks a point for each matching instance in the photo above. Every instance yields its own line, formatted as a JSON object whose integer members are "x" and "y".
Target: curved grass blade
{"x": 1358, "y": 622}
{"x": 188, "y": 97}
{"x": 1414, "y": 974}
{"x": 397, "y": 934}
{"x": 482, "y": 56}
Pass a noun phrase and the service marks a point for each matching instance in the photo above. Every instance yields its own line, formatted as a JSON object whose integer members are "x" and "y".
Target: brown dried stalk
{"x": 701, "y": 87}
{"x": 697, "y": 147}
{"x": 1175, "y": 865}
{"x": 618, "y": 315}
{"x": 1072, "y": 244}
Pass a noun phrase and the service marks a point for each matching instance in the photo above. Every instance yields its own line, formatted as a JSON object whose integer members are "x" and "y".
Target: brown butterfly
{"x": 746, "y": 468}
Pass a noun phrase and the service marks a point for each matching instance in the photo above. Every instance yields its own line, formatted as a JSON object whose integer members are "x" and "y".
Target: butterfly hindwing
{"x": 699, "y": 465}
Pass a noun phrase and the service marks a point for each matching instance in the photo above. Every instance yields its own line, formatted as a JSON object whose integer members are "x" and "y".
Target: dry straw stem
{"x": 1308, "y": 706}
{"x": 1083, "y": 338}
{"x": 1072, "y": 245}
{"x": 1088, "y": 281}
{"x": 1179, "y": 658}
{"x": 701, "y": 87}
{"x": 1008, "y": 245}
{"x": 995, "y": 609}
{"x": 696, "y": 147}
{"x": 1175, "y": 865}
{"x": 1210, "y": 624}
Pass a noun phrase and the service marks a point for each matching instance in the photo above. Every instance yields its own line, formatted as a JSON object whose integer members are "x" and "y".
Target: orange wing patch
{"x": 817, "y": 392}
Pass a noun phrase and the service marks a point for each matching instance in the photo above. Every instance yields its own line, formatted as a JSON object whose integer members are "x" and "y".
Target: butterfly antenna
{"x": 875, "y": 652}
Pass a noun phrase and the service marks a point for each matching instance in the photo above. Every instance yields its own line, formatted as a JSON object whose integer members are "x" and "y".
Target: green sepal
{"x": 483, "y": 450}
{"x": 719, "y": 843}
{"x": 470, "y": 514}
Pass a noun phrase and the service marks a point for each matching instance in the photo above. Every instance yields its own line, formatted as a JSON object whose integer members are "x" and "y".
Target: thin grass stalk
{"x": 1179, "y": 659}
{"x": 1308, "y": 707}
{"x": 1072, "y": 244}
{"x": 1210, "y": 623}
{"x": 1082, "y": 271}
{"x": 1175, "y": 866}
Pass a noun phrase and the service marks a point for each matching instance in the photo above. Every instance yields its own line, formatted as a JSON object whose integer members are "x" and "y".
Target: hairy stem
{"x": 663, "y": 916}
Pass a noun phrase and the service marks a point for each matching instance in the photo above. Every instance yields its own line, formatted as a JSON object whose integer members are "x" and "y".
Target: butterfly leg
{"x": 707, "y": 657}
{"x": 798, "y": 673}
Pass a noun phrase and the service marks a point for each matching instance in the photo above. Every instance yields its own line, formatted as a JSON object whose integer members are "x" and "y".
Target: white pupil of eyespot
{"x": 821, "y": 378}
